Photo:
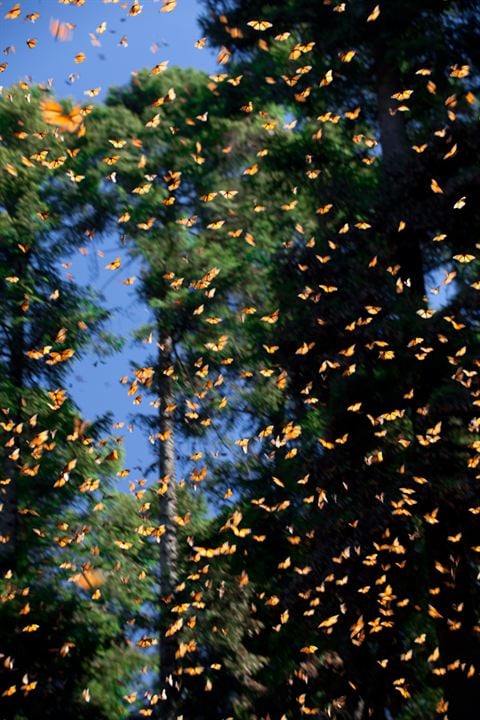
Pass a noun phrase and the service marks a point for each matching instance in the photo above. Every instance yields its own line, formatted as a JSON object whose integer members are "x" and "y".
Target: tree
{"x": 167, "y": 206}
{"x": 375, "y": 415}
{"x": 58, "y": 623}
{"x": 175, "y": 175}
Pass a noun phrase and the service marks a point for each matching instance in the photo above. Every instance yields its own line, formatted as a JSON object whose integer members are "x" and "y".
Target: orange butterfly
{"x": 260, "y": 25}
{"x": 14, "y": 13}
{"x": 54, "y": 114}
{"x": 60, "y": 30}
{"x": 89, "y": 578}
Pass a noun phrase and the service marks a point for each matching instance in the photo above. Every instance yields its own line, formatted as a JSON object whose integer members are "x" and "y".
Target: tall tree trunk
{"x": 392, "y": 129}
{"x": 399, "y": 174}
{"x": 9, "y": 490}
{"x": 458, "y": 643}
{"x": 457, "y": 591}
{"x": 8, "y": 513}
{"x": 168, "y": 510}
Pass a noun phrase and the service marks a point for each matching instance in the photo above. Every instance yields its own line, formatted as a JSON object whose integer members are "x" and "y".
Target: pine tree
{"x": 390, "y": 395}
{"x": 62, "y": 619}
{"x": 196, "y": 274}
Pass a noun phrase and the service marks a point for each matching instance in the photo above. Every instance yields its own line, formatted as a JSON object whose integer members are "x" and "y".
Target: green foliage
{"x": 57, "y": 636}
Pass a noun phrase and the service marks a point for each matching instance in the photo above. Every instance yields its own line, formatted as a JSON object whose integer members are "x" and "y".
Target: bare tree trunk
{"x": 8, "y": 515}
{"x": 399, "y": 176}
{"x": 359, "y": 710}
{"x": 456, "y": 627}
{"x": 9, "y": 490}
{"x": 392, "y": 129}
{"x": 168, "y": 510}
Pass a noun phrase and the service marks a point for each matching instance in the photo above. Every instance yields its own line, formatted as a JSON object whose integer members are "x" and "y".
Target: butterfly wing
{"x": 54, "y": 114}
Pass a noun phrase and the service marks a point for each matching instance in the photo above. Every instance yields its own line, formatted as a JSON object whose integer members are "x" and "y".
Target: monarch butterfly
{"x": 426, "y": 314}
{"x": 123, "y": 545}
{"x": 89, "y": 579}
{"x": 224, "y": 55}
{"x": 435, "y": 186}
{"x": 145, "y": 642}
{"x": 14, "y": 13}
{"x": 114, "y": 265}
{"x": 235, "y": 81}
{"x": 260, "y": 25}
{"x": 93, "y": 92}
{"x": 60, "y": 30}
{"x": 55, "y": 163}
{"x": 111, "y": 159}
{"x": 348, "y": 56}
{"x": 142, "y": 189}
{"x": 299, "y": 49}
{"x": 136, "y": 9}
{"x": 54, "y": 114}
{"x": 161, "y": 67}
{"x": 187, "y": 222}
{"x": 252, "y": 170}
{"x": 208, "y": 197}
{"x": 168, "y": 5}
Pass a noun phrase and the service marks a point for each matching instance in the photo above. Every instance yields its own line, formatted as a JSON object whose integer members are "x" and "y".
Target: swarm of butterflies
{"x": 58, "y": 115}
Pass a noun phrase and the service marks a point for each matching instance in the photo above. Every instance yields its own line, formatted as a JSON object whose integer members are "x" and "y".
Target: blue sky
{"x": 152, "y": 37}
{"x": 110, "y": 64}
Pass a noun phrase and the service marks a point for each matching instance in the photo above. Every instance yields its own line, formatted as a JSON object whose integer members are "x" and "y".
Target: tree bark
{"x": 167, "y": 512}
{"x": 8, "y": 515}
{"x": 9, "y": 490}
{"x": 392, "y": 129}
{"x": 457, "y": 591}
{"x": 399, "y": 173}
